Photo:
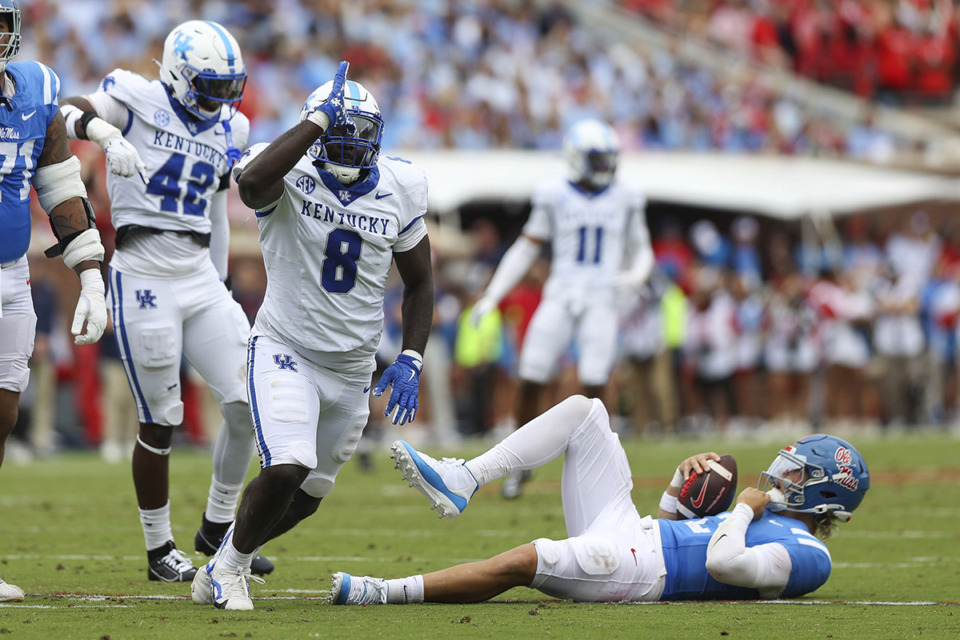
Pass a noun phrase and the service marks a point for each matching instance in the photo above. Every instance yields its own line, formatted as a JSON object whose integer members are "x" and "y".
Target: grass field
{"x": 71, "y": 539}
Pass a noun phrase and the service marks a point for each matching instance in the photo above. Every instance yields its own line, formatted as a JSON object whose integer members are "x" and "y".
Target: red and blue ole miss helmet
{"x": 819, "y": 474}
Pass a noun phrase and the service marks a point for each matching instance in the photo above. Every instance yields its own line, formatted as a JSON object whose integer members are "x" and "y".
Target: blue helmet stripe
{"x": 231, "y": 56}
{"x": 351, "y": 91}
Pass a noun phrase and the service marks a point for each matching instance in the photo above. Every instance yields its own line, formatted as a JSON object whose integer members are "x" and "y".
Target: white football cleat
{"x": 201, "y": 589}
{"x": 348, "y": 589}
{"x": 230, "y": 588}
{"x": 447, "y": 483}
{"x": 10, "y": 592}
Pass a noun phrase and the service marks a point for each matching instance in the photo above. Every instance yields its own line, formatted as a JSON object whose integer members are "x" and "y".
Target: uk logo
{"x": 284, "y": 361}
{"x": 306, "y": 184}
{"x": 182, "y": 44}
{"x": 345, "y": 196}
{"x": 146, "y": 299}
{"x": 161, "y": 117}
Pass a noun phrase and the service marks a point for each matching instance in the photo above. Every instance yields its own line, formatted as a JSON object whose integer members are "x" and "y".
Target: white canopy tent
{"x": 776, "y": 186}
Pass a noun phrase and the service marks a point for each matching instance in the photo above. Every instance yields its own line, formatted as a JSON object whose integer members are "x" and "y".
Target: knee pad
{"x": 596, "y": 556}
{"x": 237, "y": 418}
{"x": 317, "y": 487}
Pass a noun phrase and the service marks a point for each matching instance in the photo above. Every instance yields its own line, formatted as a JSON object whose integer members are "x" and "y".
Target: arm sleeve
{"x": 764, "y": 567}
{"x": 219, "y": 233}
{"x": 641, "y": 260}
{"x": 514, "y": 265}
{"x": 110, "y": 109}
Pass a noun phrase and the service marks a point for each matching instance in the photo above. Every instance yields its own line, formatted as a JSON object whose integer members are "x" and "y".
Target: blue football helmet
{"x": 203, "y": 69}
{"x": 819, "y": 474}
{"x": 342, "y": 152}
{"x": 11, "y": 47}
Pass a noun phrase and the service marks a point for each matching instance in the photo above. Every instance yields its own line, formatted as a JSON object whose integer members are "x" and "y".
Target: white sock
{"x": 222, "y": 501}
{"x": 405, "y": 590}
{"x": 156, "y": 526}
{"x": 536, "y": 443}
{"x": 232, "y": 559}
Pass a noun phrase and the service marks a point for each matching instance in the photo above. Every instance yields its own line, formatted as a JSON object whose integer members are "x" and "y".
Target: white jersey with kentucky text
{"x": 328, "y": 249}
{"x": 589, "y": 233}
{"x": 23, "y": 131}
{"x": 186, "y": 164}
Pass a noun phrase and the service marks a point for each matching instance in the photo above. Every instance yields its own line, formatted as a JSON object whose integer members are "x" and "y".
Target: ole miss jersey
{"x": 685, "y": 556}
{"x": 23, "y": 130}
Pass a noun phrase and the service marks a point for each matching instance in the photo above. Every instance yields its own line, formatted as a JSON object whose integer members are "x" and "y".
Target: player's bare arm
{"x": 416, "y": 272}
{"x": 69, "y": 217}
{"x": 261, "y": 182}
{"x": 84, "y": 105}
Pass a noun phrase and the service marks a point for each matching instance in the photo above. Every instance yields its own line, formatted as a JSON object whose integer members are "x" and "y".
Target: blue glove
{"x": 404, "y": 375}
{"x": 335, "y": 106}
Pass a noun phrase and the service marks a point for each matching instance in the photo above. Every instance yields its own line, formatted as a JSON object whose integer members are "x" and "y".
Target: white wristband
{"x": 677, "y": 480}
{"x": 668, "y": 503}
{"x": 319, "y": 118}
{"x": 102, "y": 132}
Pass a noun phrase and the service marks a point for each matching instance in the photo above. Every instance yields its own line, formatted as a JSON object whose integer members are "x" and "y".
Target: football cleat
{"x": 230, "y": 588}
{"x": 447, "y": 483}
{"x": 512, "y": 486}
{"x": 10, "y": 593}
{"x": 172, "y": 566}
{"x": 201, "y": 589}
{"x": 348, "y": 589}
{"x": 207, "y": 543}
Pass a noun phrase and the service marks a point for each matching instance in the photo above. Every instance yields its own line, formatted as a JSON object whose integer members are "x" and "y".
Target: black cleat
{"x": 207, "y": 543}
{"x": 169, "y": 564}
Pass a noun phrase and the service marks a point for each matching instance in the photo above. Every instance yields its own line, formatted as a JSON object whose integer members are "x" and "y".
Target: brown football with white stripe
{"x": 709, "y": 493}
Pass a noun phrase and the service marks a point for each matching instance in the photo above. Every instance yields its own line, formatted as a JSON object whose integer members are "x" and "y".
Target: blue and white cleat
{"x": 447, "y": 483}
{"x": 201, "y": 589}
{"x": 348, "y": 589}
{"x": 231, "y": 588}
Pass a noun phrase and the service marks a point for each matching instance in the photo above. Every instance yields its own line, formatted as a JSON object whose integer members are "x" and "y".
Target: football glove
{"x": 123, "y": 159}
{"x": 404, "y": 375}
{"x": 335, "y": 106}
{"x": 481, "y": 308}
{"x": 91, "y": 308}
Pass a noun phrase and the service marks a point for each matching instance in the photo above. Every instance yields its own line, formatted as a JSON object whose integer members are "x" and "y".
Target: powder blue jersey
{"x": 685, "y": 556}
{"x": 23, "y": 131}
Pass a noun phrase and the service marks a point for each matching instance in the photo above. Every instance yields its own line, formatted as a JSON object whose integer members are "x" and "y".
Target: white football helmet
{"x": 203, "y": 69}
{"x": 11, "y": 48}
{"x": 346, "y": 154}
{"x": 591, "y": 148}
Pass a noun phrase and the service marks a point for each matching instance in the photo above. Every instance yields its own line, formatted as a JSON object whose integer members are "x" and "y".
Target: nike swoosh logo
{"x": 27, "y": 116}
{"x": 382, "y": 195}
{"x": 699, "y": 499}
{"x": 365, "y": 389}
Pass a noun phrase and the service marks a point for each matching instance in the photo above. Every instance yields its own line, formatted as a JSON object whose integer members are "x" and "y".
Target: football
{"x": 711, "y": 492}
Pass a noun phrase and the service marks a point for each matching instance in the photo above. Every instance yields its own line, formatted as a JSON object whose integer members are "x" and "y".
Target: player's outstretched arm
{"x": 513, "y": 266}
{"x": 261, "y": 181}
{"x": 84, "y": 122}
{"x": 63, "y": 196}
{"x": 416, "y": 272}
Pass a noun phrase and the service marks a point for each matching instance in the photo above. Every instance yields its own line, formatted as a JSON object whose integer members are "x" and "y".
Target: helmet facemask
{"x": 10, "y": 39}
{"x": 592, "y": 149}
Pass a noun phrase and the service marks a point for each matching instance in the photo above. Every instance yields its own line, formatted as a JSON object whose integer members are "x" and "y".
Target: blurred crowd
{"x": 469, "y": 75}
{"x": 896, "y": 51}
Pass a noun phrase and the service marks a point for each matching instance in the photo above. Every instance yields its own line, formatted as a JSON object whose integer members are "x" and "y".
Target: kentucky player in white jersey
{"x": 769, "y": 546}
{"x": 333, "y": 217}
{"x": 600, "y": 247}
{"x": 170, "y": 145}
{"x": 34, "y": 151}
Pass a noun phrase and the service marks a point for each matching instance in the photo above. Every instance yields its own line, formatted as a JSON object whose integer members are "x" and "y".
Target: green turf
{"x": 69, "y": 526}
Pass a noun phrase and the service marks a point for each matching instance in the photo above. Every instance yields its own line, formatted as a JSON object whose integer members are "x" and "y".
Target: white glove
{"x": 123, "y": 159}
{"x": 91, "y": 308}
{"x": 481, "y": 309}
